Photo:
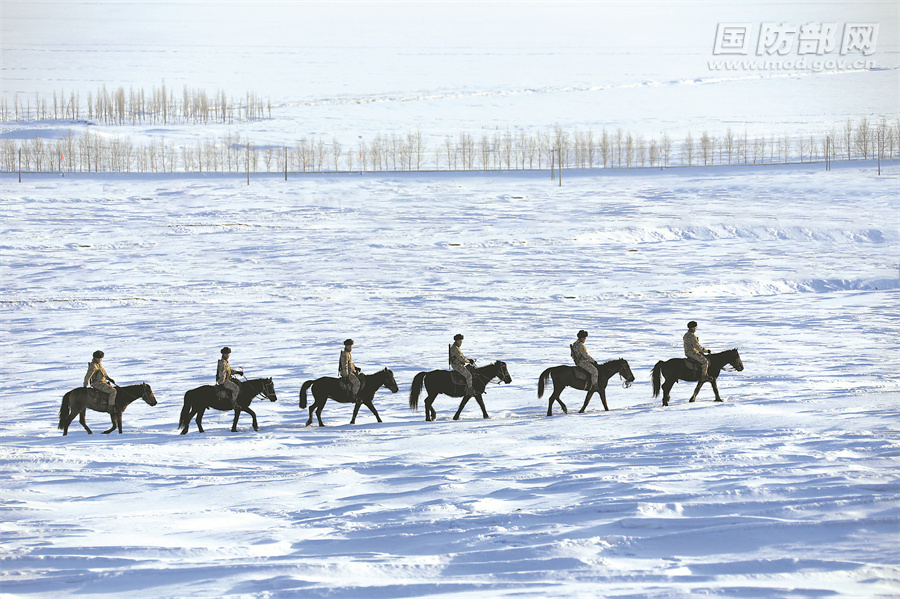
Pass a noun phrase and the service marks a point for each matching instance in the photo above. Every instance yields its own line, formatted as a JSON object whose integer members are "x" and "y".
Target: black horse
{"x": 330, "y": 387}
{"x": 572, "y": 376}
{"x": 77, "y": 401}
{"x": 441, "y": 381}
{"x": 680, "y": 369}
{"x": 197, "y": 401}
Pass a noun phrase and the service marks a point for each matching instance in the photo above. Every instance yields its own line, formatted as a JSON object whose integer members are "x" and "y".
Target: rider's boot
{"x": 234, "y": 403}
{"x": 470, "y": 391}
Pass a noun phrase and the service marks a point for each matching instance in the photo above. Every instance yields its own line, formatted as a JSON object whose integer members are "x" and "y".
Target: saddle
{"x": 95, "y": 398}
{"x": 692, "y": 366}
{"x": 222, "y": 392}
{"x": 344, "y": 384}
{"x": 580, "y": 374}
{"x": 458, "y": 379}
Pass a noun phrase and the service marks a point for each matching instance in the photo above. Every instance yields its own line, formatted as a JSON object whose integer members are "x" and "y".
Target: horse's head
{"x": 734, "y": 358}
{"x": 268, "y": 390}
{"x": 147, "y": 394}
{"x": 389, "y": 381}
{"x": 625, "y": 373}
{"x": 503, "y": 372}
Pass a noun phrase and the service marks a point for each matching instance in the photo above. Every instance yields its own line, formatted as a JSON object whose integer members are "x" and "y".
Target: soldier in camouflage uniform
{"x": 584, "y": 361}
{"x": 97, "y": 378}
{"x": 348, "y": 370}
{"x": 458, "y": 362}
{"x": 224, "y": 372}
{"x": 696, "y": 352}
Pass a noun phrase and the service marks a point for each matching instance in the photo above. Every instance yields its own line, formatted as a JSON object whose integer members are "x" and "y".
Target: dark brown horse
{"x": 197, "y": 401}
{"x": 680, "y": 369}
{"x": 329, "y": 387}
{"x": 572, "y": 376}
{"x": 442, "y": 382}
{"x": 77, "y": 401}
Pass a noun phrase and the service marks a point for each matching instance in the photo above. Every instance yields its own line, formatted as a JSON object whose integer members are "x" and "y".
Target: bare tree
{"x": 863, "y": 137}
{"x": 665, "y": 148}
{"x": 687, "y": 150}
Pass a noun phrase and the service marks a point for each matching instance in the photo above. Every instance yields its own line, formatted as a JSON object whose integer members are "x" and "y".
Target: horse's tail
{"x": 184, "y": 420}
{"x": 414, "y": 389}
{"x": 656, "y": 377}
{"x": 64, "y": 411}
{"x": 542, "y": 380}
{"x": 303, "y": 389}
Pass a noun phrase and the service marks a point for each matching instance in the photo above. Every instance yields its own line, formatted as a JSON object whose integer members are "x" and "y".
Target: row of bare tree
{"x": 500, "y": 150}
{"x": 120, "y": 107}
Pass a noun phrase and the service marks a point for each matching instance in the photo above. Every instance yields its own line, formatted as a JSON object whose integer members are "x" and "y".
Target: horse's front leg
{"x": 237, "y": 415}
{"x": 81, "y": 419}
{"x": 587, "y": 400}
{"x": 603, "y": 397}
{"x": 462, "y": 404}
{"x": 696, "y": 391}
{"x": 715, "y": 389}
{"x": 484, "y": 413}
{"x": 371, "y": 406}
{"x": 355, "y": 411}
{"x": 112, "y": 418}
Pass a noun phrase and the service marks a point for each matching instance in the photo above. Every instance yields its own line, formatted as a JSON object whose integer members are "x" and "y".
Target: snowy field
{"x": 790, "y": 488}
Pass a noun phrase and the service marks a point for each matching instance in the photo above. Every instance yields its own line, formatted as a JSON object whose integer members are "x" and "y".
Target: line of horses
{"x": 436, "y": 382}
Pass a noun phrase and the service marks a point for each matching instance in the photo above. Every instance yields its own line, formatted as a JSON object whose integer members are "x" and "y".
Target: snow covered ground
{"x": 789, "y": 488}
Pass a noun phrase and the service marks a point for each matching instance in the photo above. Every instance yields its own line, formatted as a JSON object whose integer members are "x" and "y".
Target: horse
{"x": 330, "y": 387}
{"x": 441, "y": 381}
{"x": 678, "y": 369}
{"x": 575, "y": 377}
{"x": 197, "y": 401}
{"x": 77, "y": 401}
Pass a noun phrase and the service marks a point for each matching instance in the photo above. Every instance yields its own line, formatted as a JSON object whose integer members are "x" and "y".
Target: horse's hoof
{"x": 720, "y": 400}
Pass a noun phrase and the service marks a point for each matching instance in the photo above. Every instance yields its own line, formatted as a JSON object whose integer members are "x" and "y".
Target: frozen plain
{"x": 788, "y": 489}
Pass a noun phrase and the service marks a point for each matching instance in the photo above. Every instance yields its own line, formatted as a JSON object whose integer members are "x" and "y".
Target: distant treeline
{"x": 134, "y": 107}
{"x": 498, "y": 150}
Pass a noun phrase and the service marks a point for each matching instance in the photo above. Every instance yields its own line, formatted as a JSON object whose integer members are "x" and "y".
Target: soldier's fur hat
{"x": 458, "y": 336}
{"x": 226, "y": 350}
{"x": 98, "y": 354}
{"x": 348, "y": 342}
{"x": 582, "y": 334}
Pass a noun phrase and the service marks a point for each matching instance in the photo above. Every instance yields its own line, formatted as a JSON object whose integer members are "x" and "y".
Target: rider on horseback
{"x": 224, "y": 372}
{"x": 584, "y": 361}
{"x": 696, "y": 352}
{"x": 458, "y": 362}
{"x": 98, "y": 379}
{"x": 348, "y": 370}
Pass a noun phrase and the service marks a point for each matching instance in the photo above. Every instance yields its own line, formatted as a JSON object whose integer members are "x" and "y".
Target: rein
{"x": 262, "y": 391}
{"x": 487, "y": 381}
